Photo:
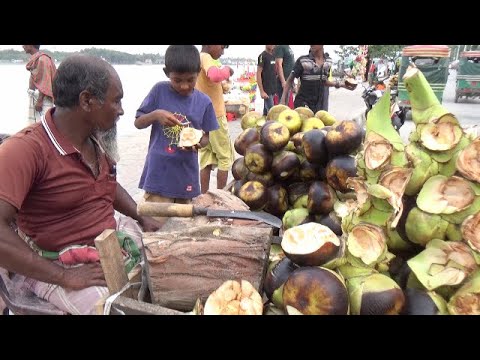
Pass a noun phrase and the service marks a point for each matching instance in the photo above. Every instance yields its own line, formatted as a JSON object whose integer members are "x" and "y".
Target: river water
{"x": 137, "y": 80}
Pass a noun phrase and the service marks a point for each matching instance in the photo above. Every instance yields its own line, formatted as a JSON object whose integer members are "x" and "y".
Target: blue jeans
{"x": 267, "y": 104}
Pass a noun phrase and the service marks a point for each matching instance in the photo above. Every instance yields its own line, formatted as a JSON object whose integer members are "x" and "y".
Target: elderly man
{"x": 59, "y": 187}
{"x": 42, "y": 71}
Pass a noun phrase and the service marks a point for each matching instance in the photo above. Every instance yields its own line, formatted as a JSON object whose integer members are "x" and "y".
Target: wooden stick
{"x": 112, "y": 262}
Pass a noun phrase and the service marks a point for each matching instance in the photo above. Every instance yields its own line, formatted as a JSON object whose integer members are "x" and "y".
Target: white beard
{"x": 108, "y": 140}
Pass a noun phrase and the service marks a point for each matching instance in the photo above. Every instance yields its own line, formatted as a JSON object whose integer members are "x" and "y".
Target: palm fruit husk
{"x": 425, "y": 105}
{"x": 363, "y": 201}
{"x": 445, "y": 195}
{"x": 421, "y": 302}
{"x": 296, "y": 217}
{"x": 349, "y": 271}
{"x": 460, "y": 216}
{"x": 375, "y": 294}
{"x": 367, "y": 243}
{"x": 468, "y": 161}
{"x": 276, "y": 253}
{"x": 421, "y": 227}
{"x": 466, "y": 301}
{"x": 470, "y": 231}
{"x": 443, "y": 263}
{"x": 383, "y": 145}
{"x": 423, "y": 166}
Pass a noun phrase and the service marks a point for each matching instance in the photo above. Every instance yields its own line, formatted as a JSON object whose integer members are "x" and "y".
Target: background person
{"x": 314, "y": 72}
{"x": 42, "y": 70}
{"x": 284, "y": 61}
{"x": 266, "y": 77}
{"x": 219, "y": 151}
{"x": 171, "y": 174}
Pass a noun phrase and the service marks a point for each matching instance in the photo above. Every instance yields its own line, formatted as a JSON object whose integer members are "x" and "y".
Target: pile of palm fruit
{"x": 411, "y": 235}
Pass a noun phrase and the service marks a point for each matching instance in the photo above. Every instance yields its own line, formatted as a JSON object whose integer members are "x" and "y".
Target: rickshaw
{"x": 432, "y": 61}
{"x": 468, "y": 75}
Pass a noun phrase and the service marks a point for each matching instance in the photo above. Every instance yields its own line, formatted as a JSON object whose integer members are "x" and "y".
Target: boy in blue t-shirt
{"x": 171, "y": 174}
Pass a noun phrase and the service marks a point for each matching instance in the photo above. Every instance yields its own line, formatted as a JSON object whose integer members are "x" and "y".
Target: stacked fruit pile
{"x": 411, "y": 238}
{"x": 295, "y": 167}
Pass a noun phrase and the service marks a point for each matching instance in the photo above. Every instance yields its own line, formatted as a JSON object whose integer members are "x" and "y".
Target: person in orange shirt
{"x": 40, "y": 94}
{"x": 219, "y": 151}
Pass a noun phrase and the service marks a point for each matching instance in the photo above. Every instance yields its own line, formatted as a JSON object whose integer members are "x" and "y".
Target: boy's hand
{"x": 202, "y": 143}
{"x": 166, "y": 118}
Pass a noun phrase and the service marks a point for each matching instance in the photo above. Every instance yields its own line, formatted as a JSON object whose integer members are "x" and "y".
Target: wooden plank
{"x": 190, "y": 263}
{"x": 127, "y": 306}
{"x": 112, "y": 262}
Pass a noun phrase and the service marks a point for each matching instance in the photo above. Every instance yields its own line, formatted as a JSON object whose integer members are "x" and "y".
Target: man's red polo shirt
{"x": 59, "y": 201}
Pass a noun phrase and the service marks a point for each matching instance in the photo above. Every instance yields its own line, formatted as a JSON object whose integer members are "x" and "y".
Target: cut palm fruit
{"x": 310, "y": 244}
{"x": 190, "y": 137}
{"x": 234, "y": 298}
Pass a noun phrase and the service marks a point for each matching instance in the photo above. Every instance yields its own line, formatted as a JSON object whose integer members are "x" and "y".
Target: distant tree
{"x": 346, "y": 51}
{"x": 389, "y": 52}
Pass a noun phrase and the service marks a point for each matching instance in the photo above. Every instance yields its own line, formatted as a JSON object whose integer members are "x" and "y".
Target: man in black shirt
{"x": 314, "y": 72}
{"x": 266, "y": 77}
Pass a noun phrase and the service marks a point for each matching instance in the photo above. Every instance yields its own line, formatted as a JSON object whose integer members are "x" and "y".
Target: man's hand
{"x": 39, "y": 105}
{"x": 264, "y": 95}
{"x": 166, "y": 118}
{"x": 84, "y": 276}
{"x": 149, "y": 224}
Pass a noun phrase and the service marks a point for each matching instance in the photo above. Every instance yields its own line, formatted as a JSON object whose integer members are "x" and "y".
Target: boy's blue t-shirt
{"x": 170, "y": 171}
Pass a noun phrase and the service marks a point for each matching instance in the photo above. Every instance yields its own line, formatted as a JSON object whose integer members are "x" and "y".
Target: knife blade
{"x": 189, "y": 210}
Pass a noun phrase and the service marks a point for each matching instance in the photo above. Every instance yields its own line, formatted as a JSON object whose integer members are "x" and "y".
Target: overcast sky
{"x": 247, "y": 51}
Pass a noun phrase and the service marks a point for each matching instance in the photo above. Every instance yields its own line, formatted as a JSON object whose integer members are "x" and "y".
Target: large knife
{"x": 188, "y": 210}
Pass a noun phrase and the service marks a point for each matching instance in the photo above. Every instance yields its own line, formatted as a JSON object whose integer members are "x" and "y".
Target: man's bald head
{"x": 79, "y": 73}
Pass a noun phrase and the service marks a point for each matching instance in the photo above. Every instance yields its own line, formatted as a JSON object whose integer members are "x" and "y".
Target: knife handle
{"x": 165, "y": 209}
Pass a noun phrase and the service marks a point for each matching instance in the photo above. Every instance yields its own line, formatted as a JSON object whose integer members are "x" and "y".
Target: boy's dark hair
{"x": 182, "y": 59}
{"x": 36, "y": 47}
